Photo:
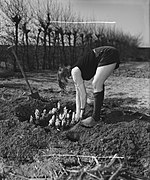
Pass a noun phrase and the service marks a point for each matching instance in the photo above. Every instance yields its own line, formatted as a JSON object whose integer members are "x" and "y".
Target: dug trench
{"x": 125, "y": 133}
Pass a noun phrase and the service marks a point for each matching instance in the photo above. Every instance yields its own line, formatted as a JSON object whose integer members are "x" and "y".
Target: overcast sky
{"x": 131, "y": 16}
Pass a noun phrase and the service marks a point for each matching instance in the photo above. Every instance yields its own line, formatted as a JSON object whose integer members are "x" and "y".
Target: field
{"x": 117, "y": 148}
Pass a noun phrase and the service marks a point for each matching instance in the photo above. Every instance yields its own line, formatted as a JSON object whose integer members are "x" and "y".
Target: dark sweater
{"x": 87, "y": 64}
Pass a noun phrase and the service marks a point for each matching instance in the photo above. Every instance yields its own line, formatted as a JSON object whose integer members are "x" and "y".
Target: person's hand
{"x": 82, "y": 112}
{"x": 77, "y": 117}
{"x": 89, "y": 101}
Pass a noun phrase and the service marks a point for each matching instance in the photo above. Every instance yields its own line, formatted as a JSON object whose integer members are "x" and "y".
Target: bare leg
{"x": 102, "y": 73}
{"x": 100, "y": 77}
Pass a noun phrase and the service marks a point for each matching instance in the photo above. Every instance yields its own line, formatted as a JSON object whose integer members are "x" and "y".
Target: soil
{"x": 31, "y": 151}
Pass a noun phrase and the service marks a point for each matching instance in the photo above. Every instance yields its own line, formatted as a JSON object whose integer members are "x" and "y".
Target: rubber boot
{"x": 95, "y": 118}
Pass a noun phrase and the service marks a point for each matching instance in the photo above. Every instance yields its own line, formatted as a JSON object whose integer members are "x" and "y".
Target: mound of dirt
{"x": 125, "y": 133}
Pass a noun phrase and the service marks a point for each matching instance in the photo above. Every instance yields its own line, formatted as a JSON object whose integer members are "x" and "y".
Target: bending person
{"x": 98, "y": 64}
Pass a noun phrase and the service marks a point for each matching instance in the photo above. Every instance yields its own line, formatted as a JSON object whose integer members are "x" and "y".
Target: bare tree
{"x": 49, "y": 47}
{"x": 13, "y": 11}
{"x": 55, "y": 36}
{"x": 82, "y": 30}
{"x": 26, "y": 26}
{"x": 63, "y": 53}
{"x": 44, "y": 25}
{"x": 70, "y": 30}
{"x": 68, "y": 34}
{"x": 75, "y": 35}
{"x": 44, "y": 15}
{"x": 37, "y": 44}
{"x": 99, "y": 31}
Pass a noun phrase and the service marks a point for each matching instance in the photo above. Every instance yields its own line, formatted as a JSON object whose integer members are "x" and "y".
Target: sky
{"x": 131, "y": 16}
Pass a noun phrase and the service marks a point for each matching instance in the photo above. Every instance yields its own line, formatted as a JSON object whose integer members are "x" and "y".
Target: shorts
{"x": 108, "y": 56}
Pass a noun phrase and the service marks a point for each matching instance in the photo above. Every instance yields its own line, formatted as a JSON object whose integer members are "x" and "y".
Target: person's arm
{"x": 78, "y": 102}
{"x": 80, "y": 92}
{"x": 83, "y": 98}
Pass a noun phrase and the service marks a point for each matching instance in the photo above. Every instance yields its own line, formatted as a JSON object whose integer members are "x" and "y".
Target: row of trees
{"x": 42, "y": 42}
